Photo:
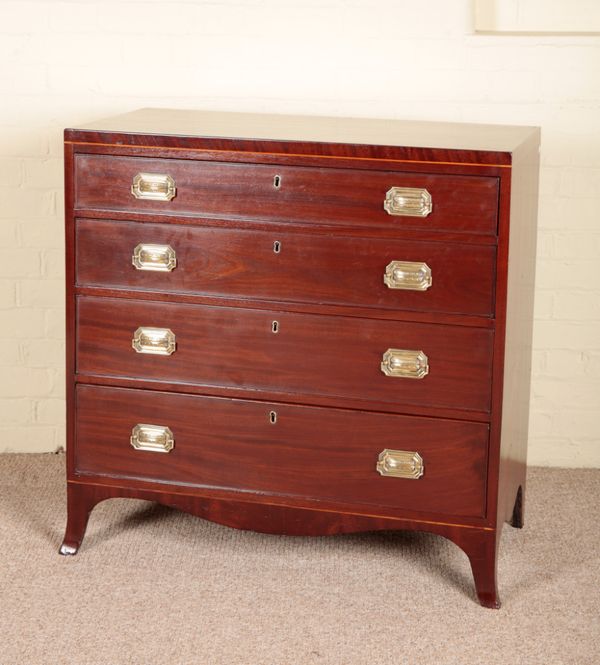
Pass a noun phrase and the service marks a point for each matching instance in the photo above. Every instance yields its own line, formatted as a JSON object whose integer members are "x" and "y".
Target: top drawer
{"x": 287, "y": 193}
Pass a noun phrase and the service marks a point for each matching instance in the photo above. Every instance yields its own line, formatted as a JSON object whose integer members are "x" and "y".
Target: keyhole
{"x": 275, "y": 327}
{"x": 277, "y": 181}
{"x": 277, "y": 247}
{"x": 273, "y": 417}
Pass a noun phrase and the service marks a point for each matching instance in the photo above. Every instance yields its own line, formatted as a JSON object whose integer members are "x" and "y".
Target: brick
{"x": 43, "y": 233}
{"x": 43, "y": 173}
{"x": 19, "y": 142}
{"x": 60, "y": 438}
{"x": 25, "y": 324}
{"x": 541, "y": 422}
{"x": 593, "y": 364}
{"x": 567, "y": 147}
{"x": 7, "y": 293}
{"x": 23, "y": 79}
{"x": 43, "y": 353}
{"x": 575, "y": 423}
{"x": 11, "y": 171}
{"x": 53, "y": 267}
{"x": 564, "y": 213}
{"x": 573, "y": 245}
{"x": 565, "y": 364}
{"x": 29, "y": 17}
{"x": 55, "y": 137}
{"x": 58, "y": 383}
{"x": 73, "y": 17}
{"x": 576, "y": 86}
{"x": 578, "y": 183}
{"x": 17, "y": 411}
{"x": 549, "y": 181}
{"x": 24, "y": 203}
{"x": 554, "y": 394}
{"x": 561, "y": 452}
{"x": 16, "y": 48}
{"x": 538, "y": 362}
{"x": 10, "y": 353}
{"x": 519, "y": 86}
{"x": 54, "y": 50}
{"x": 27, "y": 439}
{"x": 460, "y": 77}
{"x": 16, "y": 263}
{"x": 548, "y": 335}
{"x": 77, "y": 80}
{"x": 571, "y": 306}
{"x": 543, "y": 307}
{"x": 8, "y": 233}
{"x": 554, "y": 274}
{"x": 54, "y": 323}
{"x": 50, "y": 411}
{"x": 41, "y": 293}
{"x": 20, "y": 381}
{"x": 546, "y": 244}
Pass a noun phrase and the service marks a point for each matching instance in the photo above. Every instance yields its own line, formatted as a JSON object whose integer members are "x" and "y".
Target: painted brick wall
{"x": 63, "y": 63}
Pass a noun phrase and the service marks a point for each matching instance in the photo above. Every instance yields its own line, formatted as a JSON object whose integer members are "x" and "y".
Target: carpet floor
{"x": 154, "y": 586}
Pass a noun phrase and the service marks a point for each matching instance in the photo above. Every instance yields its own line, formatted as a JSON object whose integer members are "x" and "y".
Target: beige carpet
{"x": 154, "y": 586}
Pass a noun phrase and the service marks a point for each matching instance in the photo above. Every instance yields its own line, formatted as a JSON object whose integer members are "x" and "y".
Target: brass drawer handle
{"x": 153, "y": 187}
{"x": 158, "y": 258}
{"x": 408, "y": 202}
{"x": 407, "y": 275}
{"x": 405, "y": 363}
{"x": 153, "y": 438}
{"x": 156, "y": 341}
{"x": 400, "y": 464}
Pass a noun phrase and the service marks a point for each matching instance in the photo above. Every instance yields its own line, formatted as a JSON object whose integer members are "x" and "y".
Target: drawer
{"x": 287, "y": 266}
{"x": 285, "y": 352}
{"x": 285, "y": 193}
{"x": 316, "y": 453}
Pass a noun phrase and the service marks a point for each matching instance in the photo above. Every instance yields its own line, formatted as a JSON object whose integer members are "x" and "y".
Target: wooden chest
{"x": 302, "y": 325}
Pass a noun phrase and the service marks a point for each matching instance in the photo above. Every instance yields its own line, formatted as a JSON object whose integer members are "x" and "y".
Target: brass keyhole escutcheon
{"x": 277, "y": 247}
{"x": 277, "y": 181}
{"x": 272, "y": 417}
{"x": 275, "y": 327}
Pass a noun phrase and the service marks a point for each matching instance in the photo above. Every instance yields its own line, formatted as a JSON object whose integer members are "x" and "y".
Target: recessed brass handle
{"x": 156, "y": 341}
{"x": 400, "y": 464}
{"x": 153, "y": 187}
{"x": 408, "y": 202}
{"x": 158, "y": 258}
{"x": 153, "y": 438}
{"x": 405, "y": 364}
{"x": 407, "y": 275}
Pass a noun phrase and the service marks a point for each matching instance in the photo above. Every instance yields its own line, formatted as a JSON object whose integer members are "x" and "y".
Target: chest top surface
{"x": 459, "y": 142}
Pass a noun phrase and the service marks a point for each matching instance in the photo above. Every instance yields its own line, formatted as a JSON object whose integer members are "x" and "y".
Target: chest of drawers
{"x": 302, "y": 326}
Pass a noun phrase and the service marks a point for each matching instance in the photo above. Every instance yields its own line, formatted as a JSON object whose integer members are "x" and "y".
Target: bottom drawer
{"x": 310, "y": 452}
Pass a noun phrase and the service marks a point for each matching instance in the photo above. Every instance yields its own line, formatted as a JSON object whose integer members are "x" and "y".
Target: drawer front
{"x": 288, "y": 266}
{"x": 311, "y": 452}
{"x": 286, "y": 352}
{"x": 286, "y": 193}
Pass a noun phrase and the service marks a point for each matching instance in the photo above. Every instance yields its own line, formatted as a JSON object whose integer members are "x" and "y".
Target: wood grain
{"x": 316, "y": 195}
{"x": 286, "y": 266}
{"x": 409, "y": 139}
{"x": 311, "y": 472}
{"x": 222, "y": 346}
{"x": 327, "y": 454}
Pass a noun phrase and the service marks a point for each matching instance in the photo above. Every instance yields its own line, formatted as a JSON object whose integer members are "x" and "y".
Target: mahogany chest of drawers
{"x": 302, "y": 325}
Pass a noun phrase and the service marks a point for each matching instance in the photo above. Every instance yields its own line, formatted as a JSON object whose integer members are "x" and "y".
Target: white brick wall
{"x": 63, "y": 63}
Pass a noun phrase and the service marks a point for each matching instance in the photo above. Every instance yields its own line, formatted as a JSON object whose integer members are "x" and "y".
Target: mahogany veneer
{"x": 236, "y": 347}
{"x": 241, "y": 263}
{"x": 315, "y": 195}
{"x": 234, "y": 350}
